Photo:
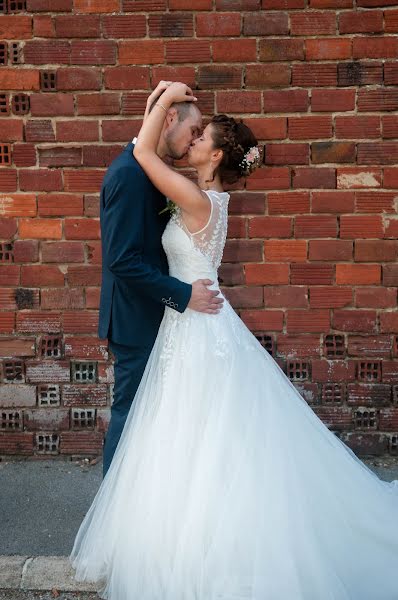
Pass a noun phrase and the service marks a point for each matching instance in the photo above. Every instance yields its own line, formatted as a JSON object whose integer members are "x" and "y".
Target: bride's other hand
{"x": 179, "y": 92}
{"x": 157, "y": 92}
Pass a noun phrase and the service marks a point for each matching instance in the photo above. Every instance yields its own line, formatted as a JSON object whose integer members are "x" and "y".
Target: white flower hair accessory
{"x": 250, "y": 160}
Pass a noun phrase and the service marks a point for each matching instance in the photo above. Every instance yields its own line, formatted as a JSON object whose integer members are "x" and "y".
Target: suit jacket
{"x": 135, "y": 285}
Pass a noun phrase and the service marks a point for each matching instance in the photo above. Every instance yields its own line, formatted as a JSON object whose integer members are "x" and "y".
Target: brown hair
{"x": 234, "y": 139}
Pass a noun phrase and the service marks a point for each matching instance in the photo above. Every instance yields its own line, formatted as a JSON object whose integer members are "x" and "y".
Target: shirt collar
{"x": 134, "y": 140}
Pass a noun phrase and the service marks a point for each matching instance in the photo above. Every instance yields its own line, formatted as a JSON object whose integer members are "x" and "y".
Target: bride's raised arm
{"x": 179, "y": 189}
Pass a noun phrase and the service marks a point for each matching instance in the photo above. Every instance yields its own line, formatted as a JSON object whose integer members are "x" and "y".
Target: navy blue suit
{"x": 136, "y": 285}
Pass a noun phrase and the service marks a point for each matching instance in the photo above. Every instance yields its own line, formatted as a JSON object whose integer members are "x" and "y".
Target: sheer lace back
{"x": 210, "y": 240}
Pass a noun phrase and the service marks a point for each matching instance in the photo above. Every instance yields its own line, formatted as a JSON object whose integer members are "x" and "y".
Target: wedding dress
{"x": 225, "y": 484}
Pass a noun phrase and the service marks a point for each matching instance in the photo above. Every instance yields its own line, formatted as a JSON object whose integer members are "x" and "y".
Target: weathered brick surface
{"x": 310, "y": 262}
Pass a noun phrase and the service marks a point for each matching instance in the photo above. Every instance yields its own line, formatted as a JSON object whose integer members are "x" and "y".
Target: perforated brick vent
{"x": 20, "y": 104}
{"x": 16, "y": 5}
{"x": 267, "y": 342}
{"x": 48, "y": 82}
{"x": 48, "y": 395}
{"x": 13, "y": 371}
{"x": 6, "y": 252}
{"x": 5, "y": 154}
{"x": 83, "y": 418}
{"x": 15, "y": 51}
{"x": 333, "y": 393}
{"x": 51, "y": 346}
{"x": 3, "y": 53}
{"x": 47, "y": 443}
{"x": 298, "y": 370}
{"x": 365, "y": 418}
{"x": 334, "y": 346}
{"x": 84, "y": 372}
{"x": 369, "y": 370}
{"x": 4, "y": 105}
{"x": 11, "y": 420}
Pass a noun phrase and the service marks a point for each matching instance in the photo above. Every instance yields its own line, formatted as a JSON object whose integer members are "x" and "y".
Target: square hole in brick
{"x": 16, "y": 5}
{"x": 5, "y": 155}
{"x": 6, "y": 252}
{"x": 83, "y": 418}
{"x": 298, "y": 370}
{"x": 48, "y": 395}
{"x": 333, "y": 393}
{"x": 4, "y": 104}
{"x": 51, "y": 346}
{"x": 13, "y": 371}
{"x": 393, "y": 444}
{"x": 3, "y": 53}
{"x": 20, "y": 104}
{"x": 267, "y": 342}
{"x": 47, "y": 443}
{"x": 3, "y": 6}
{"x": 84, "y": 372}
{"x": 334, "y": 346}
{"x": 11, "y": 420}
{"x": 15, "y": 53}
{"x": 48, "y": 81}
{"x": 365, "y": 418}
{"x": 369, "y": 370}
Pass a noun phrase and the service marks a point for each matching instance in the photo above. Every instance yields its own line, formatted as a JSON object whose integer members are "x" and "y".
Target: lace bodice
{"x": 197, "y": 255}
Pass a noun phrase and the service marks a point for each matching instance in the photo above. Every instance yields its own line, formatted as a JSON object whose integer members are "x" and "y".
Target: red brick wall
{"x": 311, "y": 259}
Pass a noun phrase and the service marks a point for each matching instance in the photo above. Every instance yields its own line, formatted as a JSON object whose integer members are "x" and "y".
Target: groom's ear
{"x": 171, "y": 116}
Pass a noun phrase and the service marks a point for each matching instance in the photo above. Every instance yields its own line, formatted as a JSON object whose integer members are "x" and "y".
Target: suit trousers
{"x": 129, "y": 367}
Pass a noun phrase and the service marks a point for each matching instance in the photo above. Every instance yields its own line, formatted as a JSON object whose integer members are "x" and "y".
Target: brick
{"x": 390, "y": 21}
{"x": 288, "y": 202}
{"x": 358, "y": 274}
{"x": 81, "y": 442}
{"x": 77, "y": 130}
{"x": 378, "y": 99}
{"x": 43, "y": 26}
{"x": 389, "y": 123}
{"x": 11, "y": 130}
{"x": 311, "y": 274}
{"x": 314, "y": 177}
{"x": 41, "y": 276}
{"x": 377, "y": 153}
{"x": 272, "y": 75}
{"x": 83, "y": 180}
{"x": 301, "y": 128}
{"x": 285, "y": 250}
{"x": 134, "y": 103}
{"x": 49, "y": 5}
{"x": 286, "y": 101}
{"x": 8, "y": 180}
{"x": 40, "y": 228}
{"x": 60, "y": 157}
{"x": 367, "y": 21}
{"x": 126, "y": 78}
{"x": 194, "y": 5}
{"x": 328, "y": 49}
{"x": 375, "y": 297}
{"x": 18, "y": 205}
{"x": 84, "y": 275}
{"x": 333, "y": 152}
{"x": 391, "y": 178}
{"x": 26, "y": 251}
{"x": 263, "y": 320}
{"x": 352, "y": 227}
{"x": 308, "y": 226}
{"x": 308, "y": 321}
{"x": 247, "y": 203}
{"x": 269, "y": 178}
{"x": 62, "y": 252}
{"x": 236, "y": 227}
{"x": 238, "y": 102}
{"x": 120, "y": 130}
{"x": 267, "y": 274}
{"x": 375, "y": 201}
{"x": 51, "y": 371}
{"x": 16, "y": 27}
{"x": 178, "y": 51}
{"x": 287, "y": 154}
{"x": 9, "y": 275}
{"x": 78, "y": 79}
{"x": 171, "y": 73}
{"x": 43, "y": 52}
{"x": 242, "y": 297}
{"x": 43, "y": 105}
{"x": 314, "y": 75}
{"x": 266, "y": 227}
{"x": 312, "y": 23}
{"x": 332, "y": 100}
{"x": 100, "y": 156}
{"x": 82, "y": 229}
{"x": 269, "y": 128}
{"x": 98, "y": 52}
{"x": 40, "y": 180}
{"x": 372, "y": 3}
{"x": 7, "y": 322}
{"x": 215, "y": 76}
{"x": 124, "y": 26}
{"x": 77, "y": 26}
{"x": 358, "y": 177}
{"x": 61, "y": 298}
{"x": 266, "y": 23}
{"x": 80, "y": 322}
{"x": 171, "y": 25}
{"x": 8, "y": 227}
{"x": 234, "y": 50}
{"x": 98, "y": 104}
{"x": 330, "y": 250}
{"x": 281, "y": 49}
{"x": 42, "y": 419}
{"x": 19, "y": 79}
{"x": 16, "y": 347}
{"x": 331, "y": 3}
{"x": 24, "y": 155}
{"x": 39, "y": 131}
{"x": 330, "y": 296}
{"x": 60, "y": 205}
{"x": 142, "y": 52}
{"x": 87, "y": 348}
{"x": 359, "y": 73}
{"x": 16, "y": 443}
{"x": 354, "y": 320}
{"x": 96, "y": 6}
{"x": 333, "y": 201}
{"x": 385, "y": 47}
{"x": 376, "y": 251}
{"x": 92, "y": 297}
{"x": 357, "y": 127}
{"x": 217, "y": 24}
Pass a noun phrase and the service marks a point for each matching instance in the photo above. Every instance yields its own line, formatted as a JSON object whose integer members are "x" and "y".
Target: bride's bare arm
{"x": 180, "y": 189}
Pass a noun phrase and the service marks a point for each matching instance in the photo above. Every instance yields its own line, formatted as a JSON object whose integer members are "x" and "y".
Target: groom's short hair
{"x": 183, "y": 108}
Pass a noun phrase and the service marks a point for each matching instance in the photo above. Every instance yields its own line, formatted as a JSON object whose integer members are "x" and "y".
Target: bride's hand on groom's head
{"x": 179, "y": 92}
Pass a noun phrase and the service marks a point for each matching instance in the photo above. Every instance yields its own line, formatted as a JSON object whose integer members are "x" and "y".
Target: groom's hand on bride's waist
{"x": 203, "y": 299}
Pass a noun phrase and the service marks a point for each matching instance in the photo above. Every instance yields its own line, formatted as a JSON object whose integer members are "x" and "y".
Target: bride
{"x": 225, "y": 485}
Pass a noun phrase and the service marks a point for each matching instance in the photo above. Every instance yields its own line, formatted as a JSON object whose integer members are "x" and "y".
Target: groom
{"x": 136, "y": 286}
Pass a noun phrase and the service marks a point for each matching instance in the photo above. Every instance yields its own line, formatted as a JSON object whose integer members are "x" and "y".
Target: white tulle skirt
{"x": 225, "y": 485}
